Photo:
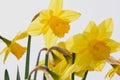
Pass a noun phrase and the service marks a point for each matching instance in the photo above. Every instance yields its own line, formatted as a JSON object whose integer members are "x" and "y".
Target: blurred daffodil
{"x": 52, "y": 22}
{"x": 92, "y": 47}
{"x": 13, "y": 47}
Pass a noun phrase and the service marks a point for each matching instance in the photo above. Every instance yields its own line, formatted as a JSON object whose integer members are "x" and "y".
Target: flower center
{"x": 99, "y": 50}
{"x": 58, "y": 26}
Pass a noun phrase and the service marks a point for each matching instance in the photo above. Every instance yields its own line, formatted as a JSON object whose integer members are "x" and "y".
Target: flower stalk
{"x": 38, "y": 58}
{"x": 46, "y": 64}
{"x": 73, "y": 60}
{"x": 27, "y": 58}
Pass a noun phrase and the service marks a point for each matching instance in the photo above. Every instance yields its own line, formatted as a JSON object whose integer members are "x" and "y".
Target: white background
{"x": 15, "y": 15}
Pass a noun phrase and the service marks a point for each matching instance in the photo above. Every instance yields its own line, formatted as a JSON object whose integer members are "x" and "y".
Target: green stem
{"x": 84, "y": 78}
{"x": 38, "y": 58}
{"x": 46, "y": 63}
{"x": 35, "y": 75}
{"x": 73, "y": 60}
{"x": 29, "y": 77}
{"x": 27, "y": 58}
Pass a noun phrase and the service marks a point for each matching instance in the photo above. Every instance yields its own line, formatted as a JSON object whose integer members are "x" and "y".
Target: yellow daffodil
{"x": 52, "y": 22}
{"x": 92, "y": 47}
{"x": 13, "y": 47}
{"x": 115, "y": 69}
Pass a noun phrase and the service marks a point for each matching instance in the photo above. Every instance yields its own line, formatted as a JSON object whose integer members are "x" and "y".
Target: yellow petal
{"x": 105, "y": 29}
{"x": 56, "y": 5}
{"x": 114, "y": 45}
{"x": 41, "y": 63}
{"x": 35, "y": 28}
{"x": 80, "y": 73}
{"x": 44, "y": 16}
{"x": 68, "y": 15}
{"x": 69, "y": 71}
{"x": 17, "y": 50}
{"x": 118, "y": 71}
{"x": 76, "y": 43}
{"x": 22, "y": 35}
{"x": 62, "y": 44}
{"x": 6, "y": 54}
{"x": 60, "y": 67}
{"x": 50, "y": 38}
{"x": 111, "y": 73}
{"x": 91, "y": 28}
{"x": 91, "y": 31}
{"x": 4, "y": 50}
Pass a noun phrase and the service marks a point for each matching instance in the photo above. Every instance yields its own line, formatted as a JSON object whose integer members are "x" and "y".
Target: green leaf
{"x": 18, "y": 74}
{"x": 6, "y": 75}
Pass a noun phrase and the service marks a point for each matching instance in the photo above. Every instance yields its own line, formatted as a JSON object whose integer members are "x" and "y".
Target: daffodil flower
{"x": 52, "y": 23}
{"x": 92, "y": 47}
{"x": 13, "y": 47}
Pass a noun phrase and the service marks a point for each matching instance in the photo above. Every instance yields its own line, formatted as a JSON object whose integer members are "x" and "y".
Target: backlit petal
{"x": 4, "y": 50}
{"x": 114, "y": 45}
{"x": 91, "y": 28}
{"x": 45, "y": 16}
{"x": 91, "y": 31}
{"x": 68, "y": 15}
{"x": 50, "y": 38}
{"x": 6, "y": 54}
{"x": 22, "y": 35}
{"x": 35, "y": 28}
{"x": 56, "y": 5}
{"x": 76, "y": 43}
{"x": 105, "y": 29}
